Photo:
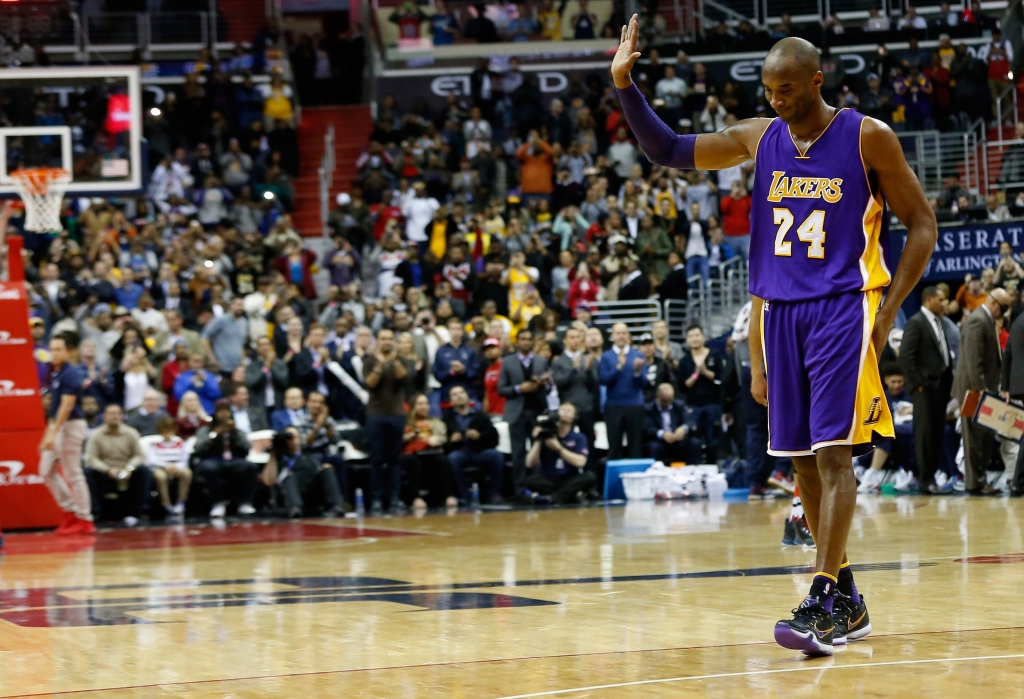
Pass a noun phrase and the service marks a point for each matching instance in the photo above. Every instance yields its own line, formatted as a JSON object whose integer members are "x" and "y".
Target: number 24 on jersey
{"x": 811, "y": 231}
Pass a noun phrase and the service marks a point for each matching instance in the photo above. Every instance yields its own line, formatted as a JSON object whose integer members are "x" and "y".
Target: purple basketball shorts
{"x": 824, "y": 388}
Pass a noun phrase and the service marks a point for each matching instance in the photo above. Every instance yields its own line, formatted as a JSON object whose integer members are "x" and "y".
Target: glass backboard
{"x": 87, "y": 121}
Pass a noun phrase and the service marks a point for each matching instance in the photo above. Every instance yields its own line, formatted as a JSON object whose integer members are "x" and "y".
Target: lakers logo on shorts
{"x": 874, "y": 411}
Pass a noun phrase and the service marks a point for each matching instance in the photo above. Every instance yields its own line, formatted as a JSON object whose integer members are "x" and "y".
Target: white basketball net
{"x": 42, "y": 190}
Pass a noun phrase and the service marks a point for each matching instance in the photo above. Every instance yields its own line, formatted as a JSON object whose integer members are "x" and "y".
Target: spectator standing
{"x": 550, "y": 20}
{"x": 561, "y": 458}
{"x": 876, "y": 22}
{"x": 672, "y": 89}
{"x": 998, "y": 56}
{"x": 456, "y": 364}
{"x": 296, "y": 264}
{"x": 574, "y": 372}
{"x": 622, "y": 372}
{"x": 226, "y": 337}
{"x": 444, "y": 25}
{"x": 653, "y": 246}
{"x": 523, "y": 382}
{"x": 116, "y": 463}
{"x": 386, "y": 378}
{"x": 657, "y": 371}
{"x": 978, "y": 369}
{"x": 494, "y": 402}
{"x": 1013, "y": 384}
{"x": 267, "y": 376}
{"x": 63, "y": 441}
{"x": 735, "y": 208}
{"x": 700, "y": 380}
{"x": 536, "y": 162}
{"x": 584, "y": 22}
{"x": 928, "y": 369}
{"x": 204, "y": 383}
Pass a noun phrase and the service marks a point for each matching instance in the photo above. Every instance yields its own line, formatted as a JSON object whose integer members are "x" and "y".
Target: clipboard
{"x": 990, "y": 411}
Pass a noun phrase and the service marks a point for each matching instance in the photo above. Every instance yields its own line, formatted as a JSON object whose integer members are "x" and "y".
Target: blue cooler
{"x": 613, "y": 471}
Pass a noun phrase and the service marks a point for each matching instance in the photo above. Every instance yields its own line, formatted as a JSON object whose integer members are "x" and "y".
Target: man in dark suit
{"x": 1013, "y": 383}
{"x": 674, "y": 285}
{"x": 665, "y": 429}
{"x": 978, "y": 369}
{"x": 473, "y": 441}
{"x": 294, "y": 413}
{"x": 575, "y": 374}
{"x": 267, "y": 377}
{"x": 248, "y": 418}
{"x": 523, "y": 381}
{"x": 928, "y": 370}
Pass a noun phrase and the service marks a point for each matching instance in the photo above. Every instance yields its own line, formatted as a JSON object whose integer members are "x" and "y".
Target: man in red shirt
{"x": 494, "y": 404}
{"x": 735, "y": 210}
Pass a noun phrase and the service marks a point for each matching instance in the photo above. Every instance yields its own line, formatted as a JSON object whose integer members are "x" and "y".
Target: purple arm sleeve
{"x": 661, "y": 144}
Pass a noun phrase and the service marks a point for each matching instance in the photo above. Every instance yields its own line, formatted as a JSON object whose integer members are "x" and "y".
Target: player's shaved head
{"x": 794, "y": 54}
{"x": 792, "y": 79}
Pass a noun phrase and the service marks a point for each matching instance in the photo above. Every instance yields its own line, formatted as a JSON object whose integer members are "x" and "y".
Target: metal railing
{"x": 1006, "y": 106}
{"x": 714, "y": 306}
{"x": 326, "y": 176}
{"x": 637, "y": 315}
{"x": 1006, "y": 157}
{"x": 935, "y": 156}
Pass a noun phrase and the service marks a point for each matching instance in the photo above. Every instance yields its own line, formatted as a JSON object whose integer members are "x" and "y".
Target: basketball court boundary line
{"x": 516, "y": 659}
{"x": 752, "y": 673}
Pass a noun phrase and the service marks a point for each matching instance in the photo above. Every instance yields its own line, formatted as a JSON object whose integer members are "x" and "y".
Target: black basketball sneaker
{"x": 809, "y": 631}
{"x": 851, "y": 620}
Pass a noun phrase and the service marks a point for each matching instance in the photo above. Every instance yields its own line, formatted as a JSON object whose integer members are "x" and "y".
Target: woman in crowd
{"x": 191, "y": 415}
{"x": 136, "y": 376}
{"x": 423, "y": 459}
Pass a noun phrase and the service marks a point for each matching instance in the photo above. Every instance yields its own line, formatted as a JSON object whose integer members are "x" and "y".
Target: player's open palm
{"x": 626, "y": 55}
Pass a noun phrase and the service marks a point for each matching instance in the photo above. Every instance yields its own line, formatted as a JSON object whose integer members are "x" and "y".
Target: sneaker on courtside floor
{"x": 781, "y": 481}
{"x": 68, "y": 521}
{"x": 83, "y": 526}
{"x": 809, "y": 631}
{"x": 852, "y": 622}
{"x": 789, "y": 534}
{"x": 803, "y": 533}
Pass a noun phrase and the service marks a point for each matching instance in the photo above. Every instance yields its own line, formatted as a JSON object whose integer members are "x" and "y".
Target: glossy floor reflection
{"x": 636, "y": 601}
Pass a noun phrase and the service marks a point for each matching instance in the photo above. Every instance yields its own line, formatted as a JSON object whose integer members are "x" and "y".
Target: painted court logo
{"x": 10, "y": 474}
{"x": 9, "y": 390}
{"x": 874, "y": 411}
{"x": 7, "y": 339}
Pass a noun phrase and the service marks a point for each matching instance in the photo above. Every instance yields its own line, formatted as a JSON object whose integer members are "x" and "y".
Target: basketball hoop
{"x": 42, "y": 189}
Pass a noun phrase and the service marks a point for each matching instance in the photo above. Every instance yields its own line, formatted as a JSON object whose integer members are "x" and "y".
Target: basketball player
{"x": 823, "y": 179}
{"x": 63, "y": 440}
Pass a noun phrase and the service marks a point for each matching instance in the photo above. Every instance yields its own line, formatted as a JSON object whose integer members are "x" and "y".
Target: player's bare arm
{"x": 899, "y": 186}
{"x": 661, "y": 145}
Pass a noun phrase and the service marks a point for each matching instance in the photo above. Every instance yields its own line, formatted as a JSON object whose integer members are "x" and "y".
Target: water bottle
{"x": 474, "y": 496}
{"x": 360, "y": 504}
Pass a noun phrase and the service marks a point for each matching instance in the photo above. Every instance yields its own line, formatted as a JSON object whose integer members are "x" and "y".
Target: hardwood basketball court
{"x": 637, "y": 601}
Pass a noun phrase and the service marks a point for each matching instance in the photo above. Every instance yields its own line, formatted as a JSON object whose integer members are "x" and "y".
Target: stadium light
{"x": 268, "y": 195}
{"x": 155, "y": 111}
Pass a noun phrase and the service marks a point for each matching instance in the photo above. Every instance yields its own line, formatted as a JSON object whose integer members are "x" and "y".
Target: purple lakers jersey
{"x": 815, "y": 228}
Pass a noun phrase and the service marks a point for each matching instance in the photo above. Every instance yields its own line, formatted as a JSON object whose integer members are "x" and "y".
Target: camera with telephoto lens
{"x": 548, "y": 426}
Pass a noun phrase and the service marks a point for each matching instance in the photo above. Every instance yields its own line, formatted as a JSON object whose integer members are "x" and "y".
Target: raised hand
{"x": 626, "y": 55}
